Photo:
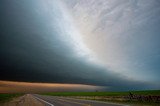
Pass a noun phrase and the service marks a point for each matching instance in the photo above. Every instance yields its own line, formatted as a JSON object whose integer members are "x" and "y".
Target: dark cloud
{"x": 33, "y": 51}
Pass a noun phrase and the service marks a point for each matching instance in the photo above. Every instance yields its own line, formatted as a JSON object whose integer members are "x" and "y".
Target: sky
{"x": 113, "y": 44}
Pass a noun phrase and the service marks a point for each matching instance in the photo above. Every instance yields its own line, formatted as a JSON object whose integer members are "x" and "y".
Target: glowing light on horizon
{"x": 31, "y": 87}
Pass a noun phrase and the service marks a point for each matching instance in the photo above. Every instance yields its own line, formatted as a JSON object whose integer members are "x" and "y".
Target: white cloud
{"x": 109, "y": 28}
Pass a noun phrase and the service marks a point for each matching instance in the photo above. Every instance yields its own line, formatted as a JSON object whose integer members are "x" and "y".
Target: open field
{"x": 6, "y": 97}
{"x": 147, "y": 92}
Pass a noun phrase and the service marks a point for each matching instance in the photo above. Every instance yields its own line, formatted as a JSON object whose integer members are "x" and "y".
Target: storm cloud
{"x": 67, "y": 42}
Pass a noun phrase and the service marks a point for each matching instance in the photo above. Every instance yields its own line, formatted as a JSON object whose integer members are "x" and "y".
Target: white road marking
{"x": 96, "y": 101}
{"x": 44, "y": 101}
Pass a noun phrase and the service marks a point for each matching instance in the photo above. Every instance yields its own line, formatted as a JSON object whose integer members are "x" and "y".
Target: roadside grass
{"x": 146, "y": 92}
{"x": 133, "y": 103}
{"x": 6, "y": 97}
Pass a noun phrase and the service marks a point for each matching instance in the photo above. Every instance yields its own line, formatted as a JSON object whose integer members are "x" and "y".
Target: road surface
{"x": 63, "y": 101}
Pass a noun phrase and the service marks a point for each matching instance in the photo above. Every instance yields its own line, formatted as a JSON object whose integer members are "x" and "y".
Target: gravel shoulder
{"x": 26, "y": 100}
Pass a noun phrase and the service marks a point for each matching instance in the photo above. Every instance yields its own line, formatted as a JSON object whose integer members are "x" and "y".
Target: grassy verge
{"x": 7, "y": 97}
{"x": 127, "y": 102}
{"x": 147, "y": 92}
{"x": 134, "y": 103}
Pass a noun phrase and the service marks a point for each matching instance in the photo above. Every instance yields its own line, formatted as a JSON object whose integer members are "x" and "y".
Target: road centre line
{"x": 44, "y": 101}
{"x": 74, "y": 102}
{"x": 62, "y": 103}
{"x": 97, "y": 101}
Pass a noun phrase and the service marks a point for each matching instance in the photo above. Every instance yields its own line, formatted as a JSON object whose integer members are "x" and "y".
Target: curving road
{"x": 62, "y": 101}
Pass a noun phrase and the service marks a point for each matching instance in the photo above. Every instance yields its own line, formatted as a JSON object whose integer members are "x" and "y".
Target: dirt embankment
{"x": 26, "y": 100}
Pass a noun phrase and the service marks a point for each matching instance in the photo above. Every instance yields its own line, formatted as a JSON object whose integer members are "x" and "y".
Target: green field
{"x": 5, "y": 97}
{"x": 147, "y": 92}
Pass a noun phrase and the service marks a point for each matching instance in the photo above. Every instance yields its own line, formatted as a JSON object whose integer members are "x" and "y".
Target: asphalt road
{"x": 63, "y": 101}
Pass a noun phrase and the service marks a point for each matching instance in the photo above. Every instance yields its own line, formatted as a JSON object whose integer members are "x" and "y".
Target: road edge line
{"x": 43, "y": 101}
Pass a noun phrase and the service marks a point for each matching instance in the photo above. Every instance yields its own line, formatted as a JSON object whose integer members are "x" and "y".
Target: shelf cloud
{"x": 109, "y": 43}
